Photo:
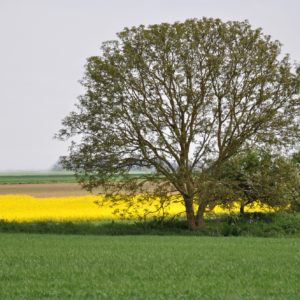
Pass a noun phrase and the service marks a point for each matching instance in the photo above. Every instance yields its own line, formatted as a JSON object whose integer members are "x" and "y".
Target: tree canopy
{"x": 182, "y": 99}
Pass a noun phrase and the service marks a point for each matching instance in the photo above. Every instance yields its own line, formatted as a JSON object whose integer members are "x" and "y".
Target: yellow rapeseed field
{"x": 22, "y": 208}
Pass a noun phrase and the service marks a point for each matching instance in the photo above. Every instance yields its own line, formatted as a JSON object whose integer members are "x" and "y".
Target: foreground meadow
{"x": 147, "y": 267}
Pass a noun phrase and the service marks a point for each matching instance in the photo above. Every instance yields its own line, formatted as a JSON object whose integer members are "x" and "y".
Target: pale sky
{"x": 45, "y": 43}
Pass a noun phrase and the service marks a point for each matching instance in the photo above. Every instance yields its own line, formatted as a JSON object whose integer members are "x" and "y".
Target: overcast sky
{"x": 45, "y": 43}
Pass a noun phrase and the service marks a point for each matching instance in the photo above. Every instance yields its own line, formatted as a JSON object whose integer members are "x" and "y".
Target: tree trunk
{"x": 199, "y": 220}
{"x": 190, "y": 215}
{"x": 195, "y": 222}
{"x": 200, "y": 214}
{"x": 191, "y": 221}
{"x": 242, "y": 208}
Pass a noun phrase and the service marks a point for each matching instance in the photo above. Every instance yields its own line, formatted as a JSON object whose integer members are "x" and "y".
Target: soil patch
{"x": 46, "y": 190}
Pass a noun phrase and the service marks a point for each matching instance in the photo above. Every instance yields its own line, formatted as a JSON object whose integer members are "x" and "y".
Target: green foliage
{"x": 181, "y": 99}
{"x": 149, "y": 267}
{"x": 257, "y": 175}
{"x": 295, "y": 205}
{"x": 296, "y": 159}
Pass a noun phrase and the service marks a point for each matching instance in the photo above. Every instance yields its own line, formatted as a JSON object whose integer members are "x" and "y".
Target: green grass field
{"x": 45, "y": 266}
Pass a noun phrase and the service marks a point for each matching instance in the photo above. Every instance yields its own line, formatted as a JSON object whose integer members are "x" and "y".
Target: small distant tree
{"x": 181, "y": 98}
{"x": 57, "y": 166}
{"x": 261, "y": 178}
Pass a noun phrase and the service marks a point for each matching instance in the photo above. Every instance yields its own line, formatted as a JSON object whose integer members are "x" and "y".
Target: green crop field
{"x": 45, "y": 177}
{"x": 45, "y": 266}
{"x": 36, "y": 177}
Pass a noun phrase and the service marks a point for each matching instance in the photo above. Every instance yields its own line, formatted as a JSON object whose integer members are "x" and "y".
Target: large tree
{"x": 182, "y": 99}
